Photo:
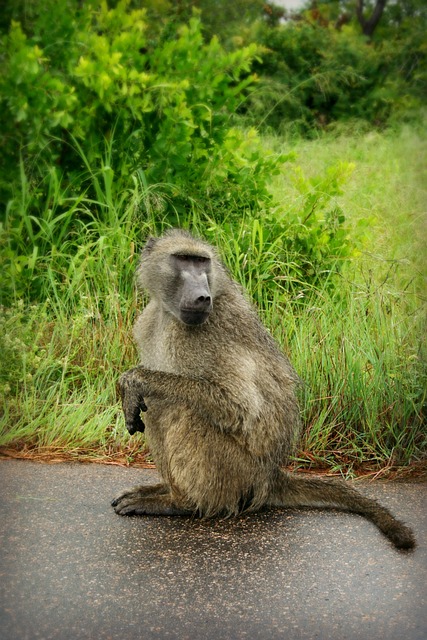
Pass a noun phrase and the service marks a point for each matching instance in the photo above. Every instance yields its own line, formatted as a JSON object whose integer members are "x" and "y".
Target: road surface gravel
{"x": 70, "y": 568}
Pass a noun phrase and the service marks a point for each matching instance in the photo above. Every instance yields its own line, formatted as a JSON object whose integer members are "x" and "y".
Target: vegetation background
{"x": 293, "y": 141}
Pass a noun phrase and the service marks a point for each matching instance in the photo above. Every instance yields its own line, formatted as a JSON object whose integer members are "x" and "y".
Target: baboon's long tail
{"x": 295, "y": 490}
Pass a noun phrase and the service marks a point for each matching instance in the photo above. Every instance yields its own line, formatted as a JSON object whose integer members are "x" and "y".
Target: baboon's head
{"x": 181, "y": 272}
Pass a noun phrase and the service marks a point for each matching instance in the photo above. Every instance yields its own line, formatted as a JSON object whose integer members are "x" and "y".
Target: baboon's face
{"x": 192, "y": 299}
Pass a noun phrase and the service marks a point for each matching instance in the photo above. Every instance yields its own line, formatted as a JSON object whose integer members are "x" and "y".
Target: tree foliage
{"x": 320, "y": 68}
{"x": 96, "y": 79}
{"x": 369, "y": 23}
{"x": 117, "y": 115}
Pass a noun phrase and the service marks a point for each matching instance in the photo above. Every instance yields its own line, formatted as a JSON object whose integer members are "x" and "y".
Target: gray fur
{"x": 221, "y": 415}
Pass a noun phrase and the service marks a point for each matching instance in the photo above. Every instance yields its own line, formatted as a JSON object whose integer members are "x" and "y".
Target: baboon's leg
{"x": 153, "y": 500}
{"x": 293, "y": 490}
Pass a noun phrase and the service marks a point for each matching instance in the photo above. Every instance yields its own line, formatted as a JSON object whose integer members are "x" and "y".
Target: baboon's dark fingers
{"x": 133, "y": 403}
{"x": 136, "y": 425}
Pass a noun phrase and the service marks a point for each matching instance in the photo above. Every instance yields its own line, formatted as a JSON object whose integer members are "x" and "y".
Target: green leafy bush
{"x": 109, "y": 132}
{"x": 20, "y": 349}
{"x": 96, "y": 113}
{"x": 166, "y": 104}
{"x": 320, "y": 234}
{"x": 314, "y": 74}
{"x": 288, "y": 252}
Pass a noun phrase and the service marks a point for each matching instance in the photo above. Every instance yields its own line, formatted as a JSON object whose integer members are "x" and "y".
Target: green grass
{"x": 358, "y": 347}
{"x": 363, "y": 353}
{"x": 387, "y": 189}
{"x": 364, "y": 380}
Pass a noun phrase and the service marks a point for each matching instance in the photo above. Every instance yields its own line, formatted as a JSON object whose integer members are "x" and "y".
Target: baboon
{"x": 219, "y": 399}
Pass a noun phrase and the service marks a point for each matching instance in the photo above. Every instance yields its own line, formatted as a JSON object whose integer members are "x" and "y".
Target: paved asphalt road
{"x": 70, "y": 568}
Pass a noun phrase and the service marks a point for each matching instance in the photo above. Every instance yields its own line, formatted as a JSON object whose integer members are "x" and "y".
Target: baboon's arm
{"x": 212, "y": 402}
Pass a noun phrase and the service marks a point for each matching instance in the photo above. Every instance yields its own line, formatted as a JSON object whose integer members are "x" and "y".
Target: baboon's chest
{"x": 176, "y": 349}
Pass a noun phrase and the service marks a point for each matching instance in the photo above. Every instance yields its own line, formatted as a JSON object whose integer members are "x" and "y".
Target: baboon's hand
{"x": 132, "y": 402}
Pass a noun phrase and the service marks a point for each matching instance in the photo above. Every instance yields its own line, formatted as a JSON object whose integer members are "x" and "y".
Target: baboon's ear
{"x": 149, "y": 245}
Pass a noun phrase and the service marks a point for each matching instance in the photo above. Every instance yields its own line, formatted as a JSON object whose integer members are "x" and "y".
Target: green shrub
{"x": 166, "y": 104}
{"x": 95, "y": 113}
{"x": 292, "y": 250}
{"x": 108, "y": 132}
{"x": 313, "y": 74}
{"x": 19, "y": 349}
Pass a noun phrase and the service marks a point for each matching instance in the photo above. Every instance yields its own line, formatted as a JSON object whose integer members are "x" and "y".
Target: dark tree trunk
{"x": 369, "y": 24}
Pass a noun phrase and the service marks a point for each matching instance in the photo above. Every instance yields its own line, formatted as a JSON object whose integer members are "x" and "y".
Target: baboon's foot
{"x": 140, "y": 492}
{"x": 141, "y": 501}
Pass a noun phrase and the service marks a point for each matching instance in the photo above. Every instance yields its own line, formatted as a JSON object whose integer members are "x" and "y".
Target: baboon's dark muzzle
{"x": 196, "y": 301}
{"x": 193, "y": 318}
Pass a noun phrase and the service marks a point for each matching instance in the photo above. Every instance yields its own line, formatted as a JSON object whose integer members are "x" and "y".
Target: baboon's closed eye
{"x": 191, "y": 258}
